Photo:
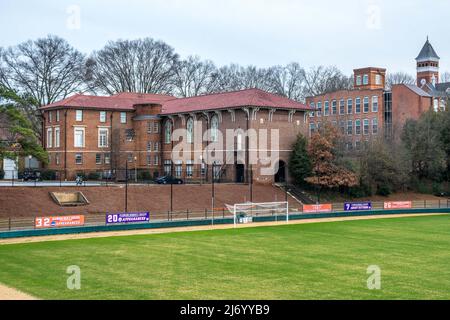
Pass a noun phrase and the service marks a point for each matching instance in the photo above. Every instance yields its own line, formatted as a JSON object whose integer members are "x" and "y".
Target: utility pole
{"x": 212, "y": 191}
{"x": 126, "y": 186}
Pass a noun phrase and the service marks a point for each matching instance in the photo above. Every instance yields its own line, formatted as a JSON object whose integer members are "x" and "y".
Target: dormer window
{"x": 358, "y": 80}
{"x": 366, "y": 79}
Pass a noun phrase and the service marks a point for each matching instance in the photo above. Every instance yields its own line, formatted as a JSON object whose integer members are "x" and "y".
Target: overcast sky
{"x": 346, "y": 33}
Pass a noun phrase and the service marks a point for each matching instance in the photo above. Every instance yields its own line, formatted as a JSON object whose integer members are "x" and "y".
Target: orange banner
{"x": 59, "y": 222}
{"x": 314, "y": 208}
{"x": 398, "y": 205}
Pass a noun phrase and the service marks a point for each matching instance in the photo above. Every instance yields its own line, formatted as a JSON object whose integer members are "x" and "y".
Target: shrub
{"x": 144, "y": 175}
{"x": 48, "y": 175}
{"x": 384, "y": 190}
{"x": 94, "y": 176}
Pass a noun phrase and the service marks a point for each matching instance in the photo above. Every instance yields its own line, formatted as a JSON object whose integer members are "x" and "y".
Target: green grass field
{"x": 306, "y": 261}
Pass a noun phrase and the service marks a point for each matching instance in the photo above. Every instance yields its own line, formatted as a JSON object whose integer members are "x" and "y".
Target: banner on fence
{"x": 357, "y": 206}
{"x": 59, "y": 222}
{"x": 315, "y": 208}
{"x": 131, "y": 217}
{"x": 398, "y": 205}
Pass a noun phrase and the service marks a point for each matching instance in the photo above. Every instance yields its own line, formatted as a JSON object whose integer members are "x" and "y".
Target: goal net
{"x": 245, "y": 212}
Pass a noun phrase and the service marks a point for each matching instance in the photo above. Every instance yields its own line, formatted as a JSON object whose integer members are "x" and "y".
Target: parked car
{"x": 169, "y": 180}
{"x": 33, "y": 175}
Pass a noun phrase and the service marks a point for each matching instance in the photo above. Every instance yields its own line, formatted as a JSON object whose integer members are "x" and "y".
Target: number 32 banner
{"x": 59, "y": 222}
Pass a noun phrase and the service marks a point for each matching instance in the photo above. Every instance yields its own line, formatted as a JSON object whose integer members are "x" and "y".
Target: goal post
{"x": 244, "y": 212}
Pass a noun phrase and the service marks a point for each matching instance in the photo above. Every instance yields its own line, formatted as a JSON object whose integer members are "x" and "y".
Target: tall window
{"x": 374, "y": 126}
{"x": 78, "y": 158}
{"x": 98, "y": 158}
{"x": 312, "y": 128}
{"x": 78, "y": 138}
{"x": 342, "y": 126}
{"x": 375, "y": 104}
{"x": 79, "y": 115}
{"x": 57, "y": 115}
{"x": 366, "y": 79}
{"x": 156, "y": 161}
{"x": 57, "y": 137}
{"x": 123, "y": 117}
{"x": 103, "y": 138}
{"x": 327, "y": 108}
{"x": 149, "y": 127}
{"x": 358, "y": 80}
{"x": 342, "y": 106}
{"x": 103, "y": 116}
{"x": 168, "y": 132}
{"x": 334, "y": 107}
{"x": 50, "y": 116}
{"x": 156, "y": 127}
{"x": 49, "y": 138}
{"x": 378, "y": 79}
{"x": 349, "y": 127}
{"x": 107, "y": 158}
{"x": 366, "y": 104}
{"x": 366, "y": 126}
{"x": 156, "y": 146}
{"x": 349, "y": 106}
{"x": 358, "y": 126}
{"x": 167, "y": 167}
{"x": 215, "y": 129}
{"x": 189, "y": 168}
{"x": 311, "y": 114}
{"x": 149, "y": 146}
{"x": 358, "y": 105}
{"x": 178, "y": 169}
{"x": 190, "y": 130}
{"x": 319, "y": 109}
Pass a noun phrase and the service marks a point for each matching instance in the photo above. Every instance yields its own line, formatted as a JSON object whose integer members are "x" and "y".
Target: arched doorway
{"x": 280, "y": 176}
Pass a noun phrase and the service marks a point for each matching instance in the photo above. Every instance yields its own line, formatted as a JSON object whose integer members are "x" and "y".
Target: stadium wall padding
{"x": 205, "y": 222}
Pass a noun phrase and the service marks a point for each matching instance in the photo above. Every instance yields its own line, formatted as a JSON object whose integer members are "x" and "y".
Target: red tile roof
{"x": 171, "y": 105}
{"x": 121, "y": 101}
{"x": 235, "y": 99}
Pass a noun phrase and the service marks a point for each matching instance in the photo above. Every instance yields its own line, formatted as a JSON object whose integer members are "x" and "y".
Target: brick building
{"x": 371, "y": 110}
{"x": 106, "y": 134}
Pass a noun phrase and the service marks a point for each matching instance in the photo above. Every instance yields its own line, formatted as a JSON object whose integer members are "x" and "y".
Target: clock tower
{"x": 427, "y": 66}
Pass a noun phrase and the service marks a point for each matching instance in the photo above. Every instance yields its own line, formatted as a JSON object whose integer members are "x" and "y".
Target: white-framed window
{"x": 178, "y": 169}
{"x": 50, "y": 116}
{"x": 57, "y": 137}
{"x": 349, "y": 127}
{"x": 312, "y": 105}
{"x": 358, "y": 80}
{"x": 190, "y": 130}
{"x": 366, "y": 79}
{"x": 102, "y": 116}
{"x": 189, "y": 168}
{"x": 342, "y": 106}
{"x": 366, "y": 105}
{"x": 357, "y": 126}
{"x": 98, "y": 158}
{"x": 215, "y": 128}
{"x": 366, "y": 127}
{"x": 378, "y": 79}
{"x": 78, "y": 137}
{"x": 239, "y": 146}
{"x": 149, "y": 127}
{"x": 333, "y": 107}
{"x": 168, "y": 132}
{"x": 326, "y": 111}
{"x": 149, "y": 160}
{"x": 156, "y": 127}
{"x": 149, "y": 146}
{"x": 57, "y": 115}
{"x": 358, "y": 105}
{"x": 349, "y": 106}
{"x": 57, "y": 159}
{"x": 78, "y": 158}
{"x": 49, "y": 138}
{"x": 319, "y": 108}
{"x": 78, "y": 115}
{"x": 342, "y": 126}
{"x": 358, "y": 145}
{"x": 156, "y": 160}
{"x": 107, "y": 158}
{"x": 123, "y": 117}
{"x": 375, "y": 104}
{"x": 312, "y": 128}
{"x": 374, "y": 126}
{"x": 103, "y": 137}
{"x": 156, "y": 146}
{"x": 130, "y": 157}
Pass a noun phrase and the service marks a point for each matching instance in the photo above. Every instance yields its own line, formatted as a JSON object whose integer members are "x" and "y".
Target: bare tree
{"x": 287, "y": 81}
{"x": 143, "y": 65}
{"x": 445, "y": 77}
{"x": 43, "y": 71}
{"x": 235, "y": 77}
{"x": 399, "y": 78}
{"x": 194, "y": 77}
{"x": 320, "y": 80}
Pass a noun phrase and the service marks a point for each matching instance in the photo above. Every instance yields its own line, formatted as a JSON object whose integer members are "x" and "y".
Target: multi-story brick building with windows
{"x": 107, "y": 134}
{"x": 371, "y": 110}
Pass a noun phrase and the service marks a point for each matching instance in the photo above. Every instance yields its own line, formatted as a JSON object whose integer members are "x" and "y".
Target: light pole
{"x": 135, "y": 169}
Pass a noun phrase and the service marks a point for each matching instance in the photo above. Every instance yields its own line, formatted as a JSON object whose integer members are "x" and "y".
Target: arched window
{"x": 190, "y": 130}
{"x": 214, "y": 128}
{"x": 168, "y": 132}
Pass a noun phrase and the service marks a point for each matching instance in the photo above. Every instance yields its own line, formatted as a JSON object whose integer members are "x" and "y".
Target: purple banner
{"x": 131, "y": 217}
{"x": 357, "y": 206}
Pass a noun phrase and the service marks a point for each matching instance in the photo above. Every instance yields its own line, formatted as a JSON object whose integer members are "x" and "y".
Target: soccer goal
{"x": 245, "y": 212}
